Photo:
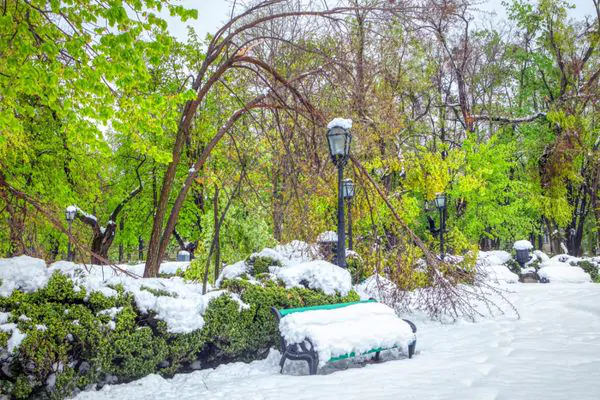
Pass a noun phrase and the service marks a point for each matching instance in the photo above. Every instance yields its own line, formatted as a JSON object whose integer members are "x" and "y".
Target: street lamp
{"x": 339, "y": 138}
{"x": 70, "y": 213}
{"x": 348, "y": 187}
{"x": 440, "y": 203}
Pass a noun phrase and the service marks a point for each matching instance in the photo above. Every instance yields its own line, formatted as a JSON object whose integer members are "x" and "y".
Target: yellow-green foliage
{"x": 261, "y": 264}
{"x": 357, "y": 268}
{"x": 196, "y": 270}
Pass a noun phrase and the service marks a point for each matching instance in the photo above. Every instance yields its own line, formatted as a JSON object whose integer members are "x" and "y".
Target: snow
{"x": 14, "y": 341}
{"x": 288, "y": 255}
{"x": 523, "y": 245}
{"x": 494, "y": 257}
{"x": 233, "y": 271}
{"x": 111, "y": 312}
{"x": 171, "y": 267}
{"x": 376, "y": 287}
{"x": 341, "y": 122}
{"x": 329, "y": 236}
{"x": 22, "y": 273}
{"x": 318, "y": 274}
{"x": 499, "y": 274}
{"x": 181, "y": 309}
{"x": 564, "y": 248}
{"x": 565, "y": 274}
{"x": 551, "y": 353}
{"x": 543, "y": 257}
{"x": 357, "y": 328}
{"x": 297, "y": 252}
{"x": 560, "y": 269}
{"x": 79, "y": 210}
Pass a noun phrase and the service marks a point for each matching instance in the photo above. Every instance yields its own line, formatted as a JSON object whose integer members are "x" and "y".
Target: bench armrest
{"x": 412, "y": 326}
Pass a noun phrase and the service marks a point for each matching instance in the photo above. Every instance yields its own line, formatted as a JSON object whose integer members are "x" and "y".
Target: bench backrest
{"x": 285, "y": 311}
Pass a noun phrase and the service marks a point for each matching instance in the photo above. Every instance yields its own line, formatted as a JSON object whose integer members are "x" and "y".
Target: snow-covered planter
{"x": 317, "y": 275}
{"x": 522, "y": 245}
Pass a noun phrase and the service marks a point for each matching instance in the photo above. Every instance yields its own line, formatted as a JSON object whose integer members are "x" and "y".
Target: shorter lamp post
{"x": 339, "y": 138}
{"x": 348, "y": 195}
{"x": 70, "y": 213}
{"x": 440, "y": 203}
{"x": 572, "y": 233}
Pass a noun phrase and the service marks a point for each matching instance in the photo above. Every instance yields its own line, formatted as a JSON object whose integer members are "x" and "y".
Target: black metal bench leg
{"x": 377, "y": 356}
{"x": 281, "y": 363}
{"x": 411, "y": 349}
{"x": 312, "y": 366}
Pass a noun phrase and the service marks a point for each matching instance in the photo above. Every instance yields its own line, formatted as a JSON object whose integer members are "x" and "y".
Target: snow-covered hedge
{"x": 69, "y": 327}
{"x": 499, "y": 266}
{"x": 66, "y": 338}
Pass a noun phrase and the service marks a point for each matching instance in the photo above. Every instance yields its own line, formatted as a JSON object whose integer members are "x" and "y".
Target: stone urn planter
{"x": 529, "y": 277}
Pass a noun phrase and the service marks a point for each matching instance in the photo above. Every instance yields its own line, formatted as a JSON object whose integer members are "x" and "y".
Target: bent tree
{"x": 230, "y": 49}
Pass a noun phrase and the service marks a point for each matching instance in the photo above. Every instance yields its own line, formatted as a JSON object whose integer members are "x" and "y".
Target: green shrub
{"x": 66, "y": 329}
{"x": 357, "y": 268}
{"x": 513, "y": 266}
{"x": 591, "y": 269}
{"x": 535, "y": 264}
{"x": 195, "y": 272}
{"x": 260, "y": 264}
{"x": 158, "y": 292}
{"x": 4, "y": 336}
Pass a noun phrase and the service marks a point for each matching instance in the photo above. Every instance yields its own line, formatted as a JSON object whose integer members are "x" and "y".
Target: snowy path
{"x": 552, "y": 352}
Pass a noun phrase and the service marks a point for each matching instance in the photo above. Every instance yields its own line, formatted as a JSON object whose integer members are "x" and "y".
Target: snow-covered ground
{"x": 552, "y": 352}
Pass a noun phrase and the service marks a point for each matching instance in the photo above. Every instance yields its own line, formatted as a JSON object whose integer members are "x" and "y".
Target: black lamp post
{"x": 70, "y": 213}
{"x": 348, "y": 195}
{"x": 440, "y": 203}
{"x": 339, "y": 138}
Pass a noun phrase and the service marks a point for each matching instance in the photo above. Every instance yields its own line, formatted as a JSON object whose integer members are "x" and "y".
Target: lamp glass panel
{"x": 440, "y": 200}
{"x": 336, "y": 137}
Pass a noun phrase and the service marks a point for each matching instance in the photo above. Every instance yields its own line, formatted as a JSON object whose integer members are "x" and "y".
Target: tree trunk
{"x": 140, "y": 248}
{"x": 277, "y": 206}
{"x": 16, "y": 225}
{"x": 217, "y": 233}
{"x": 121, "y": 227}
{"x": 101, "y": 243}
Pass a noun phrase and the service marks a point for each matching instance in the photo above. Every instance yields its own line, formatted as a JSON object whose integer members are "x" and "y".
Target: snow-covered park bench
{"x": 333, "y": 332}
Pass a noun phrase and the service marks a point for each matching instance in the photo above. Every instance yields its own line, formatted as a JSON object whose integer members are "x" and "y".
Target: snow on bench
{"x": 333, "y": 332}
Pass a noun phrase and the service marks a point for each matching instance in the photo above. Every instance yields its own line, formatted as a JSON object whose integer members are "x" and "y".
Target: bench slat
{"x": 353, "y": 354}
{"x": 287, "y": 311}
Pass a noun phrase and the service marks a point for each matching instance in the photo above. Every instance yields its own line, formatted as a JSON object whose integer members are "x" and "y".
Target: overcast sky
{"x": 213, "y": 13}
